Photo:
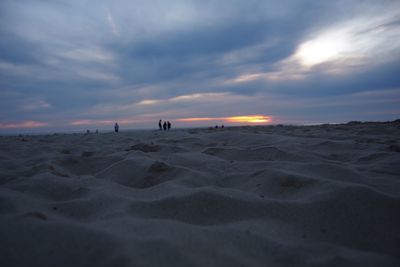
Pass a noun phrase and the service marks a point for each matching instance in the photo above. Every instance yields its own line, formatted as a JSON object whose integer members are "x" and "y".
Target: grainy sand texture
{"x": 326, "y": 195}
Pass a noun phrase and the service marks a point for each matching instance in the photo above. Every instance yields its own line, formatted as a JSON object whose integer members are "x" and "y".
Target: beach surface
{"x": 324, "y": 195}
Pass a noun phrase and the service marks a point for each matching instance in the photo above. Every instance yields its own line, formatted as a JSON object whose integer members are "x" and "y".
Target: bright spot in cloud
{"x": 359, "y": 40}
{"x": 148, "y": 102}
{"x": 344, "y": 48}
{"x": 246, "y": 78}
{"x": 325, "y": 48}
{"x": 197, "y": 96}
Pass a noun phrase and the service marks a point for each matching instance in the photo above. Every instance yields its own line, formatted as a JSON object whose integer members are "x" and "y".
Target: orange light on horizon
{"x": 253, "y": 119}
{"x": 233, "y": 119}
{"x": 250, "y": 119}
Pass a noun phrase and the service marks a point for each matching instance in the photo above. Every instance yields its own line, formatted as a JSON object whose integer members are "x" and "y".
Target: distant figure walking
{"x": 165, "y": 125}
{"x": 168, "y": 125}
{"x": 160, "y": 124}
{"x": 116, "y": 127}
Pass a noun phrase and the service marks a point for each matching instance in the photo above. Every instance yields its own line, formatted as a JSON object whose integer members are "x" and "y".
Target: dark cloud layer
{"x": 67, "y": 63}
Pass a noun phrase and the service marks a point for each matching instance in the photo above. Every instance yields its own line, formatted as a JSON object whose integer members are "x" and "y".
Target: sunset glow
{"x": 67, "y": 66}
{"x": 250, "y": 119}
{"x": 25, "y": 124}
{"x": 91, "y": 122}
{"x": 234, "y": 119}
{"x": 109, "y": 122}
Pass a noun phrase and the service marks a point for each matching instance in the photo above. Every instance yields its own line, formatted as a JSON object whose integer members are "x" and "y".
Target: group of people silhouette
{"x": 89, "y": 132}
{"x": 162, "y": 126}
{"x": 166, "y": 125}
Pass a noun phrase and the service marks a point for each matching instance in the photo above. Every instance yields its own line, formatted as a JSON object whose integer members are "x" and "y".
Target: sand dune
{"x": 326, "y": 195}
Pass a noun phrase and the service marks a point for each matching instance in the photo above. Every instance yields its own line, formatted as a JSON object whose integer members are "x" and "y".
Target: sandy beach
{"x": 325, "y": 195}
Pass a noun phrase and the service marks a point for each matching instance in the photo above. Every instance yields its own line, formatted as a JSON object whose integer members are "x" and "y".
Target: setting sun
{"x": 250, "y": 119}
{"x": 234, "y": 119}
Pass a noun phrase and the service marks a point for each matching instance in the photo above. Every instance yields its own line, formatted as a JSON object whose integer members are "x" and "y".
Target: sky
{"x": 69, "y": 65}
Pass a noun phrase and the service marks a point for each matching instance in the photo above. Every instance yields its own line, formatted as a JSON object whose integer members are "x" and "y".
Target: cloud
{"x": 341, "y": 48}
{"x": 36, "y": 104}
{"x": 93, "y": 54}
{"x": 112, "y": 24}
{"x": 24, "y": 124}
{"x": 91, "y": 122}
{"x": 188, "y": 98}
{"x": 197, "y": 101}
{"x": 136, "y": 61}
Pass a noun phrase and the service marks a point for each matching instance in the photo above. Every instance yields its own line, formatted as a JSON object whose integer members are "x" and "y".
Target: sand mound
{"x": 324, "y": 195}
{"x": 56, "y": 244}
{"x": 144, "y": 147}
{"x": 265, "y": 153}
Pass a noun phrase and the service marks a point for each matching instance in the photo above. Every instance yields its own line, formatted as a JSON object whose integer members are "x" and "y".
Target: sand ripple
{"x": 324, "y": 195}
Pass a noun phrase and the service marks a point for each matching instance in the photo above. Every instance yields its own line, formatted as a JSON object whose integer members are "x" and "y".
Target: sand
{"x": 326, "y": 195}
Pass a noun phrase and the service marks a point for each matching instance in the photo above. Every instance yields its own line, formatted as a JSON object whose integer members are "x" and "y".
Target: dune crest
{"x": 326, "y": 195}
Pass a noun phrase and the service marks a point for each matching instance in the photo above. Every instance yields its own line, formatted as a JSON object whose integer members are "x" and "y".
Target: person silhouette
{"x": 165, "y": 125}
{"x": 160, "y": 124}
{"x": 168, "y": 125}
{"x": 116, "y": 127}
